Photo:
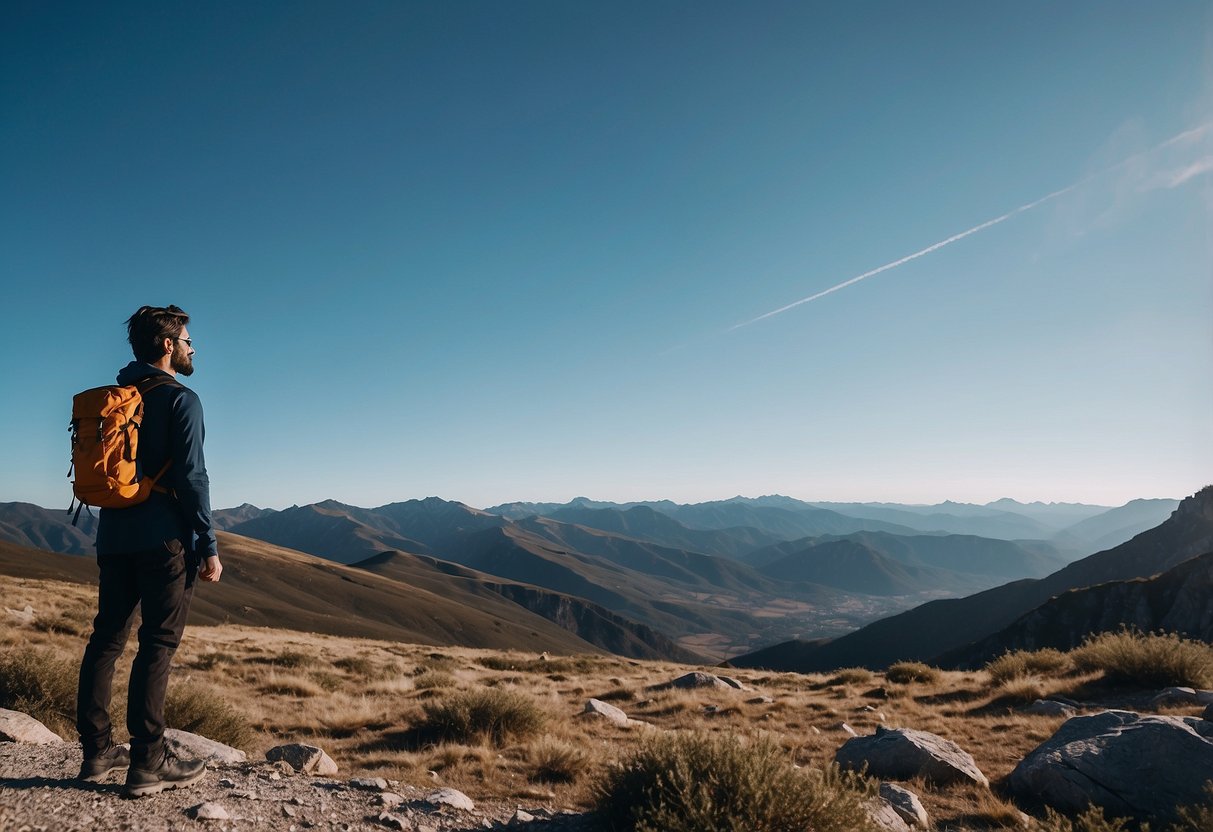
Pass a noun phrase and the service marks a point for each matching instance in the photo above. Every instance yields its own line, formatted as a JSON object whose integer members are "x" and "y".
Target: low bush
{"x": 554, "y": 761}
{"x": 199, "y": 711}
{"x": 851, "y": 676}
{"x": 702, "y": 783}
{"x": 489, "y": 715}
{"x": 294, "y": 659}
{"x": 41, "y": 684}
{"x": 904, "y": 673}
{"x": 434, "y": 679}
{"x": 357, "y": 665}
{"x": 1149, "y": 660}
{"x": 1017, "y": 663}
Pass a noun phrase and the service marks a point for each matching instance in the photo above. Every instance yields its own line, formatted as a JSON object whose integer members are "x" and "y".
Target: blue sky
{"x": 495, "y": 251}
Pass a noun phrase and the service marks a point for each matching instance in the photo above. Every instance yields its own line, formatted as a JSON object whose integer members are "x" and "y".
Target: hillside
{"x": 1179, "y": 600}
{"x": 941, "y": 626}
{"x": 265, "y": 585}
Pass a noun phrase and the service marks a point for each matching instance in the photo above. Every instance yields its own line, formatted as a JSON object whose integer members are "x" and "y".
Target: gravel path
{"x": 39, "y": 793}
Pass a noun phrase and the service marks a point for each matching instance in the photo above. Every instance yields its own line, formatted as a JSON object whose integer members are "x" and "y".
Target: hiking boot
{"x": 170, "y": 774}
{"x": 114, "y": 758}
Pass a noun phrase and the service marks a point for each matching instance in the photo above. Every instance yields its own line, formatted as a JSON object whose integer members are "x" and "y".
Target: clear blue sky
{"x": 494, "y": 250}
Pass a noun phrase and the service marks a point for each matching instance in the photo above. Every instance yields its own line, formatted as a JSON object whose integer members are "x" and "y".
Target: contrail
{"x": 1187, "y": 135}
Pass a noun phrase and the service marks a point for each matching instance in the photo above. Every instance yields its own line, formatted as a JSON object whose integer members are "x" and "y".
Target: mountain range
{"x": 654, "y": 579}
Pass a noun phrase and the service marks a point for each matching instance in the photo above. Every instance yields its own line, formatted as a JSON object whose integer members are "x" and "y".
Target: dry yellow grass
{"x": 363, "y": 700}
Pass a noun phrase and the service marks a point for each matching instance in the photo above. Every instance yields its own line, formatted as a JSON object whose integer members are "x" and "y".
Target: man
{"x": 149, "y": 556}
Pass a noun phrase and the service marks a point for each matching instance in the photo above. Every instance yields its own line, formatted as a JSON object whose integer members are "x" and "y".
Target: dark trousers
{"x": 160, "y": 582}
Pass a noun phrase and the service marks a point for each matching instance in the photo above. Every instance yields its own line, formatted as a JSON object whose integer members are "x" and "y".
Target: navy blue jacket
{"x": 172, "y": 429}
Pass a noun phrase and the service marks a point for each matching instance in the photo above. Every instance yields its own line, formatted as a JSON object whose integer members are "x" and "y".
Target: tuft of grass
{"x": 1092, "y": 820}
{"x": 1149, "y": 660}
{"x": 1197, "y": 817}
{"x": 1023, "y": 689}
{"x": 294, "y": 659}
{"x": 703, "y": 783}
{"x": 555, "y": 761}
{"x": 434, "y": 679}
{"x": 851, "y": 676}
{"x": 1019, "y": 663}
{"x": 490, "y": 715}
{"x": 199, "y": 711}
{"x": 356, "y": 665}
{"x": 290, "y": 686}
{"x": 209, "y": 661}
{"x": 904, "y": 673}
{"x": 42, "y": 685}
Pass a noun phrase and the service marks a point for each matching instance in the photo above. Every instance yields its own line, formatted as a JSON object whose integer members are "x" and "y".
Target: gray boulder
{"x": 305, "y": 758}
{"x": 596, "y": 707}
{"x": 905, "y": 753}
{"x": 18, "y": 727}
{"x": 1050, "y": 707}
{"x": 885, "y": 817}
{"x": 187, "y": 746}
{"x": 697, "y": 679}
{"x": 450, "y": 797}
{"x": 1127, "y": 763}
{"x": 906, "y": 804}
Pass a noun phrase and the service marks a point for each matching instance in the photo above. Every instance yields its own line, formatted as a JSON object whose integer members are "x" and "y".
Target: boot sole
{"x": 97, "y": 778}
{"x": 162, "y": 786}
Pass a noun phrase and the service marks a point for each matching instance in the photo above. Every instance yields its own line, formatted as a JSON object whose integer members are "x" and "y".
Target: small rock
{"x": 245, "y": 794}
{"x": 876, "y": 693}
{"x": 731, "y": 682}
{"x": 596, "y": 707}
{"x": 393, "y": 821}
{"x": 186, "y": 746}
{"x": 25, "y": 616}
{"x": 760, "y": 700}
{"x": 522, "y": 816}
{"x": 18, "y": 727}
{"x": 389, "y": 799}
{"x": 846, "y": 729}
{"x": 208, "y": 811}
{"x": 905, "y": 753}
{"x": 450, "y": 797}
{"x": 288, "y": 810}
{"x": 370, "y": 784}
{"x": 711, "y": 709}
{"x": 1175, "y": 696}
{"x": 696, "y": 679}
{"x": 1048, "y": 707}
{"x": 226, "y": 783}
{"x": 433, "y": 775}
{"x": 905, "y": 803}
{"x": 283, "y": 767}
{"x": 305, "y": 758}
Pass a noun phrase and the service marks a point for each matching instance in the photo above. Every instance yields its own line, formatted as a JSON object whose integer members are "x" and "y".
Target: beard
{"x": 182, "y": 363}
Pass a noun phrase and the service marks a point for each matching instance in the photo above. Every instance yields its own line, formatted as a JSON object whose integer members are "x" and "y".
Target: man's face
{"x": 183, "y": 354}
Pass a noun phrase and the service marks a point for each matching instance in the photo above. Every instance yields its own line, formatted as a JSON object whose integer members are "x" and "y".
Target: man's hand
{"x": 211, "y": 569}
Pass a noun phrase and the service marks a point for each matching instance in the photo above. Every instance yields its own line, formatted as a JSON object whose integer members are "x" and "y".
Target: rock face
{"x": 904, "y": 753}
{"x": 305, "y": 758}
{"x": 1127, "y": 763}
{"x": 18, "y": 727}
{"x": 187, "y": 746}
{"x": 906, "y": 804}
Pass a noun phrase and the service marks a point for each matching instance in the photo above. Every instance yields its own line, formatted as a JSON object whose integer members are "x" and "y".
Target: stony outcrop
{"x": 699, "y": 679}
{"x": 18, "y": 727}
{"x": 1129, "y": 764}
{"x": 596, "y": 707}
{"x": 303, "y": 758}
{"x": 187, "y": 746}
{"x": 905, "y": 753}
{"x": 906, "y": 804}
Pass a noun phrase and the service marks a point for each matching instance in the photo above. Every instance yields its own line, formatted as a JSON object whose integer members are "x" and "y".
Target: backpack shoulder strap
{"x": 148, "y": 383}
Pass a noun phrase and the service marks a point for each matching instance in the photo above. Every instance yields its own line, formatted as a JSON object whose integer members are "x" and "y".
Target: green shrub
{"x": 1019, "y": 663}
{"x": 851, "y": 676}
{"x": 433, "y": 679}
{"x": 490, "y": 715}
{"x": 199, "y": 711}
{"x": 702, "y": 783}
{"x": 1149, "y": 660}
{"x": 903, "y": 673}
{"x": 41, "y": 684}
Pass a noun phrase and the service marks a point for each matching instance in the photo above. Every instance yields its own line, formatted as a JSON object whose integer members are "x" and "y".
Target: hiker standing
{"x": 149, "y": 555}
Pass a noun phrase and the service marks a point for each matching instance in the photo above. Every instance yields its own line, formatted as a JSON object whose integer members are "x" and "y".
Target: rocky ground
{"x": 39, "y": 793}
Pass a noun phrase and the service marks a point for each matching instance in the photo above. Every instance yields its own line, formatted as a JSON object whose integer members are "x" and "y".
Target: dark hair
{"x": 149, "y": 326}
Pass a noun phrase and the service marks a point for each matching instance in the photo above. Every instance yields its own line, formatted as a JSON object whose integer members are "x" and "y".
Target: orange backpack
{"x": 105, "y": 443}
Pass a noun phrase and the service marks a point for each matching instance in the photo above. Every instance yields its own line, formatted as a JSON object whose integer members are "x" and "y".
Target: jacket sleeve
{"x": 187, "y": 474}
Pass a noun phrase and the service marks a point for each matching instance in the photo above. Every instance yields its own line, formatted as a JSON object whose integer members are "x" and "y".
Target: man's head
{"x": 155, "y": 332}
